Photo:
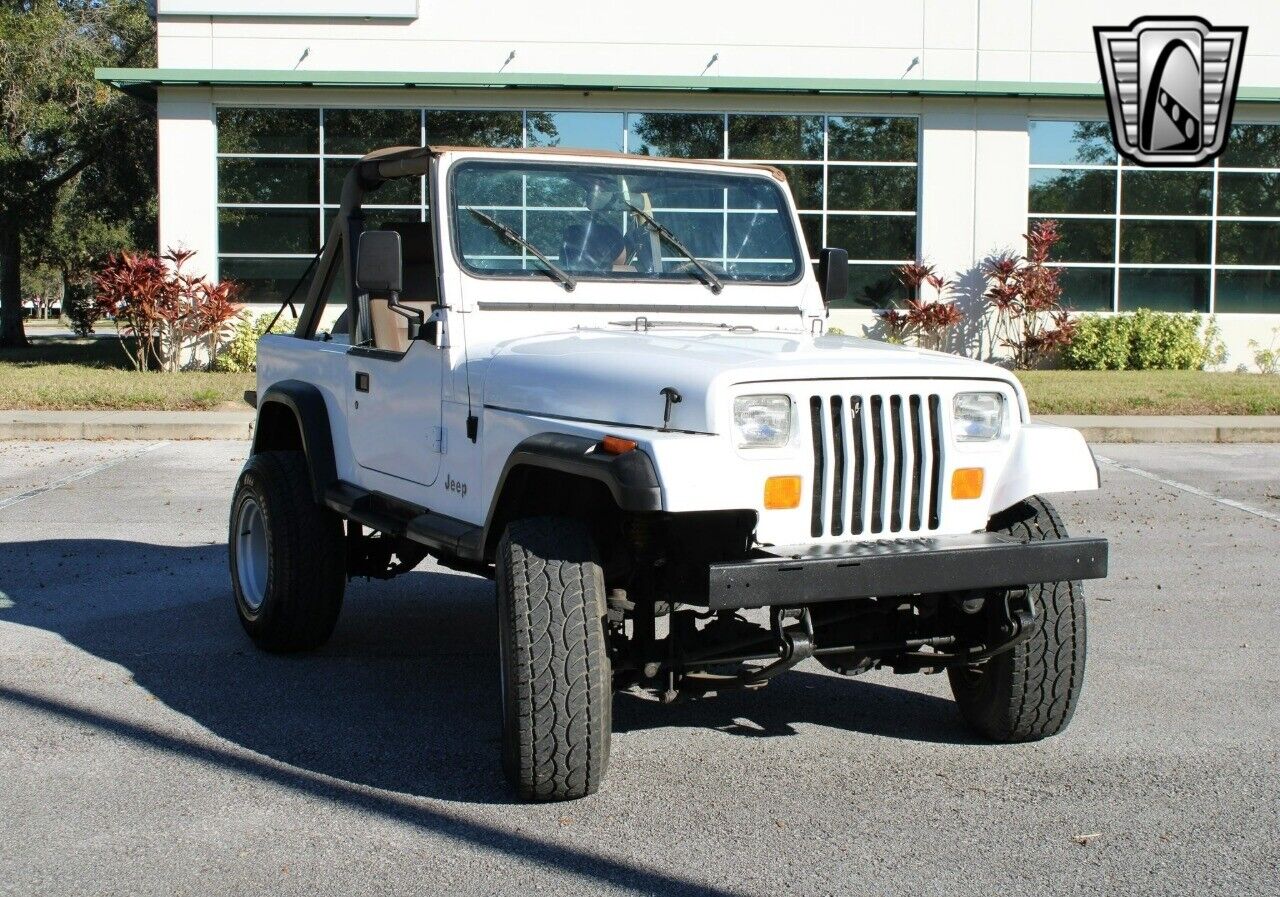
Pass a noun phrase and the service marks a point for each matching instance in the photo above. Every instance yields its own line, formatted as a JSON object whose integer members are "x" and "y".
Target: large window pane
{"x": 781, "y": 137}
{"x": 1081, "y": 190}
{"x": 360, "y": 131}
{"x": 805, "y": 182}
{"x": 1084, "y": 240}
{"x": 1164, "y": 289}
{"x": 1249, "y": 194}
{"x": 265, "y": 280}
{"x": 873, "y": 236}
{"x": 269, "y": 180}
{"x": 875, "y": 189}
{"x": 683, "y": 135}
{"x": 1071, "y": 143}
{"x": 1166, "y": 192}
{"x": 1165, "y": 242}
{"x": 398, "y": 192}
{"x": 375, "y": 219}
{"x": 1252, "y": 146}
{"x": 1087, "y": 289}
{"x": 447, "y": 127}
{"x": 812, "y": 227}
{"x": 1248, "y": 291}
{"x": 268, "y": 230}
{"x": 873, "y": 286}
{"x": 871, "y": 139}
{"x": 1248, "y": 243}
{"x": 268, "y": 130}
{"x": 579, "y": 130}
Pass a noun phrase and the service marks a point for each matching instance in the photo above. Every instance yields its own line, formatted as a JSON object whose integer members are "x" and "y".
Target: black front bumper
{"x": 813, "y": 574}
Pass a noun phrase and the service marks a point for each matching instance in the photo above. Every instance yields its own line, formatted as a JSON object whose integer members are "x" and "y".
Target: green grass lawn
{"x": 1150, "y": 392}
{"x": 59, "y": 372}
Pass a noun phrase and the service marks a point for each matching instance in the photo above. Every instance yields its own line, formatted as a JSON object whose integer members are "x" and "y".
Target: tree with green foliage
{"x": 77, "y": 160}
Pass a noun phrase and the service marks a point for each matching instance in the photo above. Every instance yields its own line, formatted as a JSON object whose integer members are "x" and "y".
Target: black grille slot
{"x": 917, "y": 464}
{"x": 895, "y": 424}
{"x": 877, "y": 464}
{"x": 837, "y": 454}
{"x": 859, "y": 463}
{"x": 819, "y": 465}
{"x": 935, "y": 439}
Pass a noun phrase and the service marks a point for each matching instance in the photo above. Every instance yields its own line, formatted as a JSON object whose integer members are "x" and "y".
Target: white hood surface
{"x": 616, "y": 376}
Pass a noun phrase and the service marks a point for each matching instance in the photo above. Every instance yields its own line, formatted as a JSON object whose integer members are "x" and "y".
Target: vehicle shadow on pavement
{"x": 404, "y": 696}
{"x": 403, "y": 699}
{"x": 800, "y": 697}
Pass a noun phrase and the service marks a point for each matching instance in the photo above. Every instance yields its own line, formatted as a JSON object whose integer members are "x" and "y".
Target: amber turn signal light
{"x": 782, "y": 493}
{"x": 616, "y": 445}
{"x": 966, "y": 482}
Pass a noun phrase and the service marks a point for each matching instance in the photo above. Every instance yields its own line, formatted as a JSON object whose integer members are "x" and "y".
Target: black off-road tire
{"x": 557, "y": 690}
{"x": 300, "y": 594}
{"x": 1030, "y": 692}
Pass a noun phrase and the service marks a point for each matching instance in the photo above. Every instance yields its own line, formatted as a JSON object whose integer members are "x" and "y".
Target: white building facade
{"x": 921, "y": 129}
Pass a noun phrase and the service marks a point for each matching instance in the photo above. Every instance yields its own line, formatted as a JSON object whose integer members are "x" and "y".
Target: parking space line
{"x": 83, "y": 474}
{"x": 1194, "y": 490}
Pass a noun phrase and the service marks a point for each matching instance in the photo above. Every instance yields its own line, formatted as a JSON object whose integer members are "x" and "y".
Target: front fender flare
{"x": 1045, "y": 459}
{"x": 630, "y": 478}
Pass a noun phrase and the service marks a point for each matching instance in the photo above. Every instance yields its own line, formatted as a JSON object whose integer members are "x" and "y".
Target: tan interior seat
{"x": 390, "y": 330}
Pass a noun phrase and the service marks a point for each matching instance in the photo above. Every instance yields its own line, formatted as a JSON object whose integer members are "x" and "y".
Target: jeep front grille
{"x": 877, "y": 464}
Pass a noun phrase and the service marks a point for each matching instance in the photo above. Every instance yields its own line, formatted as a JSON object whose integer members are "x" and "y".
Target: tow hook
{"x": 1019, "y": 614}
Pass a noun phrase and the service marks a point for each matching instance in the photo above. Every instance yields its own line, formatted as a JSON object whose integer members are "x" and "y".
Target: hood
{"x": 618, "y": 376}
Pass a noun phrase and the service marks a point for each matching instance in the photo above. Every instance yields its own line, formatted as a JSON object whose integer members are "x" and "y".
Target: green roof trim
{"x": 143, "y": 83}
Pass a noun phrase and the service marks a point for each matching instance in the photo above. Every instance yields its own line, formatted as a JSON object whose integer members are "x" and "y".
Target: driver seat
{"x": 421, "y": 288}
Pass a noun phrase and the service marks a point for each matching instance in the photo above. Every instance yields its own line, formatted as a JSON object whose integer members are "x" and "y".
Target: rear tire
{"x": 557, "y": 693}
{"x": 1030, "y": 692}
{"x": 288, "y": 568}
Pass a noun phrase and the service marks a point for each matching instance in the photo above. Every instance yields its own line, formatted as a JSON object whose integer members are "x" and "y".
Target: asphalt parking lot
{"x": 147, "y": 748}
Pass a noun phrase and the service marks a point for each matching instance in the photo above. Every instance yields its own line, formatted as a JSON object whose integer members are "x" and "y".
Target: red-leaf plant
{"x": 1025, "y": 300}
{"x": 927, "y": 321}
{"x": 168, "y": 311}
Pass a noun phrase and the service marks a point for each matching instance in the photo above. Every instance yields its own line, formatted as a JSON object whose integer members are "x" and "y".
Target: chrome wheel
{"x": 251, "y": 553}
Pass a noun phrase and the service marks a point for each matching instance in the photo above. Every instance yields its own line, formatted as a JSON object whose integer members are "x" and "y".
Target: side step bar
{"x": 441, "y": 534}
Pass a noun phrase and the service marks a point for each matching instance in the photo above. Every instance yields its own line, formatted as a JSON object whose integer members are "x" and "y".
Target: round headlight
{"x": 762, "y": 421}
{"x": 977, "y": 416}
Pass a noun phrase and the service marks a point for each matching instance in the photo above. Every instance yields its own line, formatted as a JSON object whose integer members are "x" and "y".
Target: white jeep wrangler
{"x": 603, "y": 381}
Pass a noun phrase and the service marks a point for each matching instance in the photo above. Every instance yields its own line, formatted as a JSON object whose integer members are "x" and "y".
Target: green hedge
{"x": 240, "y": 354}
{"x": 1144, "y": 341}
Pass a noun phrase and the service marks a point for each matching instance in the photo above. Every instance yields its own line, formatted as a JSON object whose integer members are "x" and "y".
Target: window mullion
{"x": 1115, "y": 249}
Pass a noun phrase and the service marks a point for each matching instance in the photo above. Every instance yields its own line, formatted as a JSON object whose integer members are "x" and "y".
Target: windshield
{"x": 596, "y": 222}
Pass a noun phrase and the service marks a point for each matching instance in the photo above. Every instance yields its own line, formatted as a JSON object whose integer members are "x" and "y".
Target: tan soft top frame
{"x": 383, "y": 165}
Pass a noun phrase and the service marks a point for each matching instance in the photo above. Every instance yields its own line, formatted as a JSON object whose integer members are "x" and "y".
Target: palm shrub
{"x": 1024, "y": 300}
{"x": 166, "y": 311}
{"x": 927, "y": 321}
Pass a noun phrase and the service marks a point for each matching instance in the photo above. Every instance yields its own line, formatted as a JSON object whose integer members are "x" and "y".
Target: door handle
{"x": 362, "y": 381}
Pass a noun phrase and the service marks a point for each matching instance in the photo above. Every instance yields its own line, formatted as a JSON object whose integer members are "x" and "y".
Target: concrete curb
{"x": 1206, "y": 428}
{"x": 183, "y": 425}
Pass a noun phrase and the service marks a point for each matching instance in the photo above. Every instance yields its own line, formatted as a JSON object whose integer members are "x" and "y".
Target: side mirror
{"x": 378, "y": 265}
{"x": 833, "y": 274}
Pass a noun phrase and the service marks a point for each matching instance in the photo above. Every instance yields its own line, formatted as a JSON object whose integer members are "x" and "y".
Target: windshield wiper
{"x": 662, "y": 231}
{"x": 507, "y": 233}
